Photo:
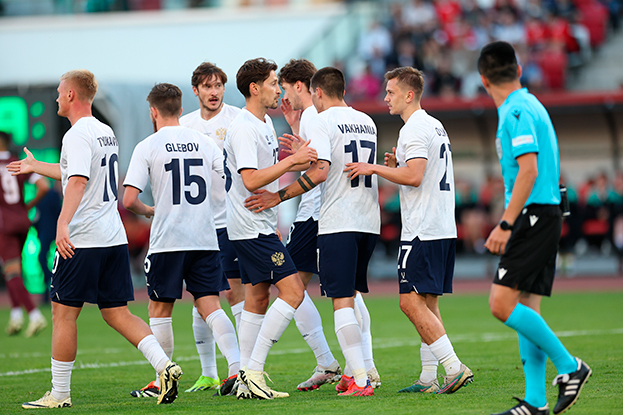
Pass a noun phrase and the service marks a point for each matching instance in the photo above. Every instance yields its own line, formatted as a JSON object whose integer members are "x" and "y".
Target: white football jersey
{"x": 342, "y": 135}
{"x": 309, "y": 207}
{"x": 249, "y": 144}
{"x": 178, "y": 163}
{"x": 215, "y": 128}
{"x": 427, "y": 211}
{"x": 90, "y": 149}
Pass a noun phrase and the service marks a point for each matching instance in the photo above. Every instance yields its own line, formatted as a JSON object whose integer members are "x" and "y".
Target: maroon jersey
{"x": 13, "y": 213}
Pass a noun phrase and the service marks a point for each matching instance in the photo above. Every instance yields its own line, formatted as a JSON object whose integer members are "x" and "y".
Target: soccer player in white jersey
{"x": 212, "y": 119}
{"x": 349, "y": 221}
{"x": 251, "y": 163}
{"x": 178, "y": 164}
{"x": 91, "y": 263}
{"x": 298, "y": 110}
{"x": 421, "y": 164}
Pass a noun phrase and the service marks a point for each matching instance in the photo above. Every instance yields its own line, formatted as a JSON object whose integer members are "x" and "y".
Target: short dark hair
{"x": 166, "y": 98}
{"x": 253, "y": 71}
{"x": 498, "y": 63}
{"x": 410, "y": 77}
{"x": 297, "y": 70}
{"x": 330, "y": 80}
{"x": 5, "y": 139}
{"x": 206, "y": 71}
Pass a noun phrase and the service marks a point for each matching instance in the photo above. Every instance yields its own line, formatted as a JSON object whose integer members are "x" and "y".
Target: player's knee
{"x": 498, "y": 308}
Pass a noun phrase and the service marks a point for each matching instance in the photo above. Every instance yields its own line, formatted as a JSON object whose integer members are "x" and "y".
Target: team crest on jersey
{"x": 220, "y": 133}
{"x": 278, "y": 258}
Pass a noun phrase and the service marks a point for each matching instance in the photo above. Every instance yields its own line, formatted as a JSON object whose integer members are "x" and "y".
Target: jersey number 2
{"x": 444, "y": 186}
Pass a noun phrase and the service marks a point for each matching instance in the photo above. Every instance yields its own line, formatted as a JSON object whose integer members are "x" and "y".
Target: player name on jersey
{"x": 356, "y": 129}
{"x": 107, "y": 141}
{"x": 181, "y": 147}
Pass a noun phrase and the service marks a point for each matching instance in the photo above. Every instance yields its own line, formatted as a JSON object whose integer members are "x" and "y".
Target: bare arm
{"x": 31, "y": 165}
{"x": 528, "y": 171}
{"x": 132, "y": 203}
{"x": 254, "y": 179}
{"x": 410, "y": 175}
{"x": 264, "y": 199}
{"x": 73, "y": 195}
{"x": 43, "y": 187}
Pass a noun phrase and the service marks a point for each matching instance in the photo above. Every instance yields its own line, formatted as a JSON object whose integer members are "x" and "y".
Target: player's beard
{"x": 153, "y": 121}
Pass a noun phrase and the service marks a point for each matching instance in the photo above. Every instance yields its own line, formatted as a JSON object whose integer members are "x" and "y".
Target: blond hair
{"x": 83, "y": 82}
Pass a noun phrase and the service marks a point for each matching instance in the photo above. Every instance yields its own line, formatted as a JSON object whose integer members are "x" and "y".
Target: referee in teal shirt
{"x": 529, "y": 231}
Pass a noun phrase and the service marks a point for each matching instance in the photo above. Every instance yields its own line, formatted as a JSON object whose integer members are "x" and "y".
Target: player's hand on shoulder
{"x": 291, "y": 143}
{"x": 261, "y": 200}
{"x": 23, "y": 166}
{"x": 390, "y": 158}
{"x": 305, "y": 154}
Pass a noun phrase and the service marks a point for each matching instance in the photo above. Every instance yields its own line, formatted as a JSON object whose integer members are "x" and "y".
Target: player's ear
{"x": 153, "y": 112}
{"x": 519, "y": 71}
{"x": 181, "y": 111}
{"x": 195, "y": 91}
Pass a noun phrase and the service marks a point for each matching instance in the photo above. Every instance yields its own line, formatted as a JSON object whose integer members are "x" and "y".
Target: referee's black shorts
{"x": 529, "y": 262}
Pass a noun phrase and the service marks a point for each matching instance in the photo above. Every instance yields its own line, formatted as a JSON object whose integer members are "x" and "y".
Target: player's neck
{"x": 500, "y": 92}
{"x": 207, "y": 114}
{"x": 167, "y": 122}
{"x": 79, "y": 111}
{"x": 307, "y": 101}
{"x": 408, "y": 112}
{"x": 256, "y": 108}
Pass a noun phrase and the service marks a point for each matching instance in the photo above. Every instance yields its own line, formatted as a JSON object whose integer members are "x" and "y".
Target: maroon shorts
{"x": 11, "y": 245}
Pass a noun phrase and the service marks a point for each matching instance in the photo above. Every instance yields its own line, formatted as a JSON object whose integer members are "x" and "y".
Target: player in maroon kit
{"x": 14, "y": 224}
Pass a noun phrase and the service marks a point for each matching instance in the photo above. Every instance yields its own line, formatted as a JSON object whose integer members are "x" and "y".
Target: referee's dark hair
{"x": 253, "y": 71}
{"x": 205, "y": 72}
{"x": 166, "y": 98}
{"x": 297, "y": 70}
{"x": 330, "y": 80}
{"x": 498, "y": 63}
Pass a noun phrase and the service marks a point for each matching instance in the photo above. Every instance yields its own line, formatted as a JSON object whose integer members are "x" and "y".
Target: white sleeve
{"x": 79, "y": 151}
{"x": 217, "y": 159}
{"x": 318, "y": 132}
{"x": 244, "y": 146}
{"x": 138, "y": 170}
{"x": 416, "y": 144}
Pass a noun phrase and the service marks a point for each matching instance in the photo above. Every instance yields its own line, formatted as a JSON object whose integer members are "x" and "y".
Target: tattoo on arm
{"x": 283, "y": 195}
{"x": 306, "y": 183}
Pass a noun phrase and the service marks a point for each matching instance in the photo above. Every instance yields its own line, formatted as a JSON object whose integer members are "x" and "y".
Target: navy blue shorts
{"x": 263, "y": 259}
{"x": 227, "y": 253}
{"x": 343, "y": 262}
{"x": 165, "y": 273}
{"x": 426, "y": 267}
{"x": 93, "y": 275}
{"x": 302, "y": 245}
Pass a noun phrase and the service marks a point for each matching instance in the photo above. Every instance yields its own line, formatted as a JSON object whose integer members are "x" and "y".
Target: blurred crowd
{"x": 444, "y": 37}
{"x": 595, "y": 223}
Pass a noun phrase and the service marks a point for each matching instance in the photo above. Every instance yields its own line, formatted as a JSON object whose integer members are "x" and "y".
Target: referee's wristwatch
{"x": 505, "y": 226}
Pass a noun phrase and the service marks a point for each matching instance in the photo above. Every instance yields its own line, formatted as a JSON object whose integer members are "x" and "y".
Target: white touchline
{"x": 378, "y": 344}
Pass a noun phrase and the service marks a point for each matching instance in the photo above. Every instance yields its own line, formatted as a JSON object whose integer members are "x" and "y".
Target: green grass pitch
{"x": 108, "y": 367}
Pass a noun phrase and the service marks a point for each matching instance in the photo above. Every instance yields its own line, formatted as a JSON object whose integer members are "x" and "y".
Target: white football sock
{"x": 309, "y": 323}
{"x": 17, "y": 313}
{"x": 276, "y": 322}
{"x": 349, "y": 336}
{"x": 204, "y": 341}
{"x": 444, "y": 352}
{"x": 162, "y": 327}
{"x": 35, "y": 315}
{"x": 225, "y": 336}
{"x": 363, "y": 317}
{"x": 153, "y": 352}
{"x": 250, "y": 324}
{"x": 61, "y": 379}
{"x": 236, "y": 311}
{"x": 429, "y": 364}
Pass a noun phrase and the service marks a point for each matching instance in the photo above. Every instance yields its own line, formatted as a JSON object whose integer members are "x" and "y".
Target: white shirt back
{"x": 90, "y": 149}
{"x": 249, "y": 144}
{"x": 178, "y": 163}
{"x": 309, "y": 207}
{"x": 342, "y": 135}
{"x": 215, "y": 128}
{"x": 427, "y": 211}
